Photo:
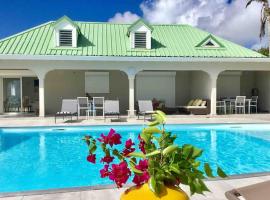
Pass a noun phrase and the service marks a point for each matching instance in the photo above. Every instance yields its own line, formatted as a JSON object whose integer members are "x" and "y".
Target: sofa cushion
{"x": 195, "y": 102}
{"x": 190, "y": 102}
{"x": 199, "y": 102}
{"x": 203, "y": 103}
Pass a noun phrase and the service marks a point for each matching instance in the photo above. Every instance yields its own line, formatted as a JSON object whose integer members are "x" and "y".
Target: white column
{"x": 41, "y": 96}
{"x": 213, "y": 94}
{"x": 131, "y": 80}
{"x": 1, "y": 96}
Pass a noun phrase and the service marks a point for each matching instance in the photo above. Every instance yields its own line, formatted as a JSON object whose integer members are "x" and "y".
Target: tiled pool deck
{"x": 218, "y": 187}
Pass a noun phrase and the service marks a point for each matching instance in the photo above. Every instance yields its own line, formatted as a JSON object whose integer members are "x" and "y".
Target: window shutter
{"x": 65, "y": 38}
{"x": 140, "y": 40}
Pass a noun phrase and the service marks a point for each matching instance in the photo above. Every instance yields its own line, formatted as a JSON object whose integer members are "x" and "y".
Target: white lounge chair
{"x": 111, "y": 108}
{"x": 145, "y": 108}
{"x": 69, "y": 108}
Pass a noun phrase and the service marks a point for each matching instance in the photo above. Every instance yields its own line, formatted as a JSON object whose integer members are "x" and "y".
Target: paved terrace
{"x": 218, "y": 187}
{"x": 28, "y": 120}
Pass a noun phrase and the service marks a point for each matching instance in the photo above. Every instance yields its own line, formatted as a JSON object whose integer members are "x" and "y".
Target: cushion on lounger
{"x": 199, "y": 102}
{"x": 203, "y": 103}
{"x": 195, "y": 102}
{"x": 190, "y": 102}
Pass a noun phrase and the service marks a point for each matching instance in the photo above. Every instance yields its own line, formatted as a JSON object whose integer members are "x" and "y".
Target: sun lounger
{"x": 69, "y": 108}
{"x": 145, "y": 108}
{"x": 111, "y": 108}
{"x": 203, "y": 107}
{"x": 259, "y": 191}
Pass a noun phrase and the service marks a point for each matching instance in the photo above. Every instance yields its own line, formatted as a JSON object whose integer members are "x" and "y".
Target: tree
{"x": 265, "y": 13}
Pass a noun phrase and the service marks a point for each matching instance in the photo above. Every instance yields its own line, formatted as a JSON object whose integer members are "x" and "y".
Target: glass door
{"x": 12, "y": 94}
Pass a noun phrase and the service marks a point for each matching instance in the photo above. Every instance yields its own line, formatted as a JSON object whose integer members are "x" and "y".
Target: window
{"x": 140, "y": 40}
{"x": 209, "y": 44}
{"x": 65, "y": 38}
{"x": 97, "y": 82}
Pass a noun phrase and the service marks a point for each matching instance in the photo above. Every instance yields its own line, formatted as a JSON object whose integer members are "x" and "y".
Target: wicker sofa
{"x": 204, "y": 109}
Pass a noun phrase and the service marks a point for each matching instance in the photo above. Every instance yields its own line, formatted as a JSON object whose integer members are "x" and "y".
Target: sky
{"x": 229, "y": 19}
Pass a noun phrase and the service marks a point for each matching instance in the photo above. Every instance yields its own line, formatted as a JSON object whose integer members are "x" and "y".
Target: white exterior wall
{"x": 159, "y": 85}
{"x": 228, "y": 84}
{"x": 70, "y": 84}
{"x": 200, "y": 85}
{"x": 182, "y": 87}
{"x": 263, "y": 84}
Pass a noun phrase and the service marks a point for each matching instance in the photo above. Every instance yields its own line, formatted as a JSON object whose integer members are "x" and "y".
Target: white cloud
{"x": 126, "y": 17}
{"x": 232, "y": 21}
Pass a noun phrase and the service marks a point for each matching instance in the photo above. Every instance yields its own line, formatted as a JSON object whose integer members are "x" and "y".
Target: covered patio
{"x": 175, "y": 84}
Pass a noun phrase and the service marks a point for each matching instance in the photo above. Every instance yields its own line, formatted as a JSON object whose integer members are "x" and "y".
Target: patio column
{"x": 213, "y": 93}
{"x": 41, "y": 96}
{"x": 131, "y": 80}
{"x": 1, "y": 96}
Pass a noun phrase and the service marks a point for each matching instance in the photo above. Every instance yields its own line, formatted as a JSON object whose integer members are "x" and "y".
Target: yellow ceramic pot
{"x": 144, "y": 193}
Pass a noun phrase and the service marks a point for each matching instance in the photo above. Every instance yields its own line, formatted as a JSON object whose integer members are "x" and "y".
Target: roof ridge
{"x": 25, "y": 31}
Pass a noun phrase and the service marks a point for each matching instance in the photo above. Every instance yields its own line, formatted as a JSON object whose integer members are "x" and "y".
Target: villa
{"x": 131, "y": 65}
{"x": 174, "y": 63}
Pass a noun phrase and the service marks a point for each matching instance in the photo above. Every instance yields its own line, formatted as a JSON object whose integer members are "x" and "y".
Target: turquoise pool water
{"x": 55, "y": 157}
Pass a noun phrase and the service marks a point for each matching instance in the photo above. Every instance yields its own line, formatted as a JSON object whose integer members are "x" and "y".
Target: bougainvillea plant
{"x": 159, "y": 162}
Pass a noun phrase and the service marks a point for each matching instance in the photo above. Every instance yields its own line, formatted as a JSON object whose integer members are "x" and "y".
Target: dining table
{"x": 232, "y": 100}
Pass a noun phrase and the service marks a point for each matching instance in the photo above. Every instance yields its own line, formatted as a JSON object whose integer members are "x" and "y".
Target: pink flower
{"x": 129, "y": 144}
{"x": 141, "y": 145}
{"x": 143, "y": 165}
{"x": 128, "y": 151}
{"x": 128, "y": 148}
{"x": 107, "y": 159}
{"x": 141, "y": 179}
{"x": 91, "y": 158}
{"x": 105, "y": 171}
{"x": 112, "y": 138}
{"x": 120, "y": 173}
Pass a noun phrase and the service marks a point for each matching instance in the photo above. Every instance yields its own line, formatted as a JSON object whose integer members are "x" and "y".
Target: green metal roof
{"x": 108, "y": 39}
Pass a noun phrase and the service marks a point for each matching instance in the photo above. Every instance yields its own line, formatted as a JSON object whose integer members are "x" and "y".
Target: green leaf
{"x": 174, "y": 168}
{"x": 162, "y": 115}
{"x": 187, "y": 151}
{"x": 134, "y": 169}
{"x": 153, "y": 123}
{"x": 137, "y": 154}
{"x": 152, "y": 184}
{"x": 221, "y": 173}
{"x": 169, "y": 149}
{"x": 117, "y": 154}
{"x": 146, "y": 137}
{"x": 151, "y": 130}
{"x": 196, "y": 152}
{"x": 156, "y": 152}
{"x": 208, "y": 170}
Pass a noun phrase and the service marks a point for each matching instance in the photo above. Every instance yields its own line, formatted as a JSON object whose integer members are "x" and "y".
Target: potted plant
{"x": 158, "y": 169}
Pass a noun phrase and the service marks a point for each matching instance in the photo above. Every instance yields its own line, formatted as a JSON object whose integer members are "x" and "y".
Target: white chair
{"x": 239, "y": 104}
{"x": 221, "y": 105}
{"x": 111, "y": 108}
{"x": 254, "y": 103}
{"x": 83, "y": 104}
{"x": 98, "y": 104}
{"x": 145, "y": 108}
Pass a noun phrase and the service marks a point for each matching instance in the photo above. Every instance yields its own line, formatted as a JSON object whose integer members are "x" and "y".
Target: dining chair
{"x": 98, "y": 104}
{"x": 254, "y": 103}
{"x": 221, "y": 105}
{"x": 239, "y": 104}
{"x": 83, "y": 104}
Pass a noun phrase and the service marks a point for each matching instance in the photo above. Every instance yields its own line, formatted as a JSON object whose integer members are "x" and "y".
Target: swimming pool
{"x": 55, "y": 157}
